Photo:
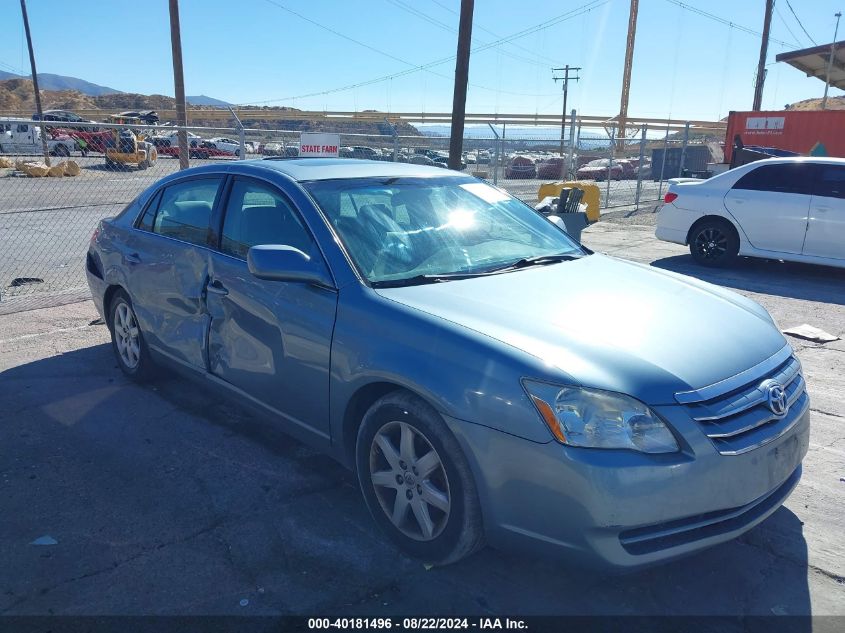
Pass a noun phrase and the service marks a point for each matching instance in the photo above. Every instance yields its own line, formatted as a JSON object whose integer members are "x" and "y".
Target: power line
{"x": 497, "y": 36}
{"x": 442, "y": 25}
{"x": 795, "y": 15}
{"x": 415, "y": 68}
{"x": 585, "y": 8}
{"x": 727, "y": 22}
{"x": 783, "y": 21}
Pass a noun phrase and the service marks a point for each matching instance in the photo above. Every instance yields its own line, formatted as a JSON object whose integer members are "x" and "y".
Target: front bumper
{"x": 622, "y": 509}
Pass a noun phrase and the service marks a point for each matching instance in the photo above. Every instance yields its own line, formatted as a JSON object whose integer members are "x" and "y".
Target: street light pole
{"x": 830, "y": 60}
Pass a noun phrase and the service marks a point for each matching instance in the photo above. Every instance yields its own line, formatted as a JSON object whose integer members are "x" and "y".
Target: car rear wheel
{"x": 62, "y": 151}
{"x": 128, "y": 344}
{"x": 714, "y": 243}
{"x": 416, "y": 480}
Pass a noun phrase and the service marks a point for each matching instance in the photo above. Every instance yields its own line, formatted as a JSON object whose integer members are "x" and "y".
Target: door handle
{"x": 216, "y": 288}
{"x": 132, "y": 258}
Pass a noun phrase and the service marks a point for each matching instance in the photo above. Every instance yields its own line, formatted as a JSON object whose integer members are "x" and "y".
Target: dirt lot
{"x": 163, "y": 499}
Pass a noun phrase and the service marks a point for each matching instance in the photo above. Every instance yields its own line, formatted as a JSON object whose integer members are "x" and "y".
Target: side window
{"x": 145, "y": 223}
{"x": 260, "y": 214}
{"x": 831, "y": 181}
{"x": 184, "y": 210}
{"x": 783, "y": 178}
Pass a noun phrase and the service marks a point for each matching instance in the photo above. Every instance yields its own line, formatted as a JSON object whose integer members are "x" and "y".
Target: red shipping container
{"x": 807, "y": 132}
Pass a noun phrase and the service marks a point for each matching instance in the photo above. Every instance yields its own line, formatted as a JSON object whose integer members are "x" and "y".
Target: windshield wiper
{"x": 537, "y": 260}
{"x": 418, "y": 280}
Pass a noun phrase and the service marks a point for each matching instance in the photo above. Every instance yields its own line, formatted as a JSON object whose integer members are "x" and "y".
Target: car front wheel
{"x": 416, "y": 480}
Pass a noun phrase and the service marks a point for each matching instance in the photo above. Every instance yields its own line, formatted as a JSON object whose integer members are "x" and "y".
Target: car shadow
{"x": 785, "y": 279}
{"x": 166, "y": 499}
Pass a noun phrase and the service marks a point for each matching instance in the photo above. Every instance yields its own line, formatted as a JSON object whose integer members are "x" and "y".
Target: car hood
{"x": 609, "y": 324}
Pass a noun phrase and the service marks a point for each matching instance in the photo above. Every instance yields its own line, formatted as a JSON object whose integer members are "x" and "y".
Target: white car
{"x": 227, "y": 144}
{"x": 781, "y": 208}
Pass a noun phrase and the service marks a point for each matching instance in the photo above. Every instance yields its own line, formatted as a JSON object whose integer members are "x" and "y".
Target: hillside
{"x": 833, "y": 103}
{"x": 17, "y": 98}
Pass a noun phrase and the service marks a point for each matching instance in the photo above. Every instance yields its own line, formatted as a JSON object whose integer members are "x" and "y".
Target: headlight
{"x": 600, "y": 419}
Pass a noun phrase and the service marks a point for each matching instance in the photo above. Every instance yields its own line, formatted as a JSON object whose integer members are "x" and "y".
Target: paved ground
{"x": 46, "y": 223}
{"x": 164, "y": 499}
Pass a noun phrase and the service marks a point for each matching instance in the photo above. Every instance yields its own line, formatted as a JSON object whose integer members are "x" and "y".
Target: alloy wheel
{"x": 711, "y": 243}
{"x": 126, "y": 335}
{"x": 410, "y": 481}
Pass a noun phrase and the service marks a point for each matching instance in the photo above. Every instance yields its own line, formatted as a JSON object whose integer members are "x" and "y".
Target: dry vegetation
{"x": 17, "y": 97}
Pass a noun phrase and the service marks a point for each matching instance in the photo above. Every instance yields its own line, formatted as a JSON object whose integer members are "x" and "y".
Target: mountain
{"x": 203, "y": 100}
{"x": 49, "y": 81}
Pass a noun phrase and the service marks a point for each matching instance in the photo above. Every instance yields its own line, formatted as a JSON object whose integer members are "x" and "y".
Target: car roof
{"x": 303, "y": 169}
{"x": 800, "y": 159}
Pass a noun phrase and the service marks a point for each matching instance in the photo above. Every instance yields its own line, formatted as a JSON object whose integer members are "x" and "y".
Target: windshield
{"x": 415, "y": 228}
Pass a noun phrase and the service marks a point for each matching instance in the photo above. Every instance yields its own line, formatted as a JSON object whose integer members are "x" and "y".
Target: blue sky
{"x": 247, "y": 51}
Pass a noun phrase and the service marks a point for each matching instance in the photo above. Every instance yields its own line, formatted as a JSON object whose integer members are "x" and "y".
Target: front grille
{"x": 739, "y": 419}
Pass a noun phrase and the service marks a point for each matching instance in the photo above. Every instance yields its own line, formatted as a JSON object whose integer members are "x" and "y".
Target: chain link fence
{"x": 50, "y": 206}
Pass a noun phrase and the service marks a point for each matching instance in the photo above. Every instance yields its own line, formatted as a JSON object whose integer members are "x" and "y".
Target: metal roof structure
{"x": 813, "y": 62}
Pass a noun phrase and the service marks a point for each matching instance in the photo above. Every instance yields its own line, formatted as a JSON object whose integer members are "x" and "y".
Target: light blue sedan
{"x": 487, "y": 378}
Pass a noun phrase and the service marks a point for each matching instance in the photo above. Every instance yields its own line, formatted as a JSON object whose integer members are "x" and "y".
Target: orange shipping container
{"x": 807, "y": 132}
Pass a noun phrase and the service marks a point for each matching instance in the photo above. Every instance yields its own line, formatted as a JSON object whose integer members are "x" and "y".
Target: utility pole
{"x": 565, "y": 79}
{"x": 459, "y": 98}
{"x": 764, "y": 48}
{"x": 626, "y": 72}
{"x": 44, "y": 147}
{"x": 179, "y": 81}
{"x": 829, "y": 61}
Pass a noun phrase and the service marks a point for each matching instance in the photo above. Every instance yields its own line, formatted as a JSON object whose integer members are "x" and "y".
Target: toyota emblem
{"x": 775, "y": 397}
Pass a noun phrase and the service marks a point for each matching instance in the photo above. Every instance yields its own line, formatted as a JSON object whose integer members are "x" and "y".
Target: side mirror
{"x": 274, "y": 262}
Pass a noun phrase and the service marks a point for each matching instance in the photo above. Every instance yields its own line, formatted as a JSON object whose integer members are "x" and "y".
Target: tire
{"x": 445, "y": 498}
{"x": 134, "y": 360}
{"x": 714, "y": 243}
{"x": 62, "y": 151}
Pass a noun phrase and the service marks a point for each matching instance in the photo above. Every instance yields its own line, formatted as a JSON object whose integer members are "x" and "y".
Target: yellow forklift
{"x": 130, "y": 149}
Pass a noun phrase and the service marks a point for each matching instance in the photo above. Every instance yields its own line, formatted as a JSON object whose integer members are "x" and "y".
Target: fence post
{"x": 610, "y": 164}
{"x": 569, "y": 156}
{"x": 684, "y": 149}
{"x": 663, "y": 161}
{"x": 640, "y": 167}
{"x": 495, "y": 155}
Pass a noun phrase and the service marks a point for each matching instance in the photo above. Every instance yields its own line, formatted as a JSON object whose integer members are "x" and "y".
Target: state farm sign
{"x": 312, "y": 144}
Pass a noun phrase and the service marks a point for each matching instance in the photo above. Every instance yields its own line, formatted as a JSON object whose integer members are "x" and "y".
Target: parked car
{"x": 521, "y": 167}
{"x": 59, "y": 115}
{"x": 227, "y": 144}
{"x": 273, "y": 149}
{"x": 421, "y": 159}
{"x": 443, "y": 161}
{"x": 206, "y": 149}
{"x": 599, "y": 170}
{"x": 147, "y": 117}
{"x": 552, "y": 168}
{"x": 780, "y": 208}
{"x": 407, "y": 320}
